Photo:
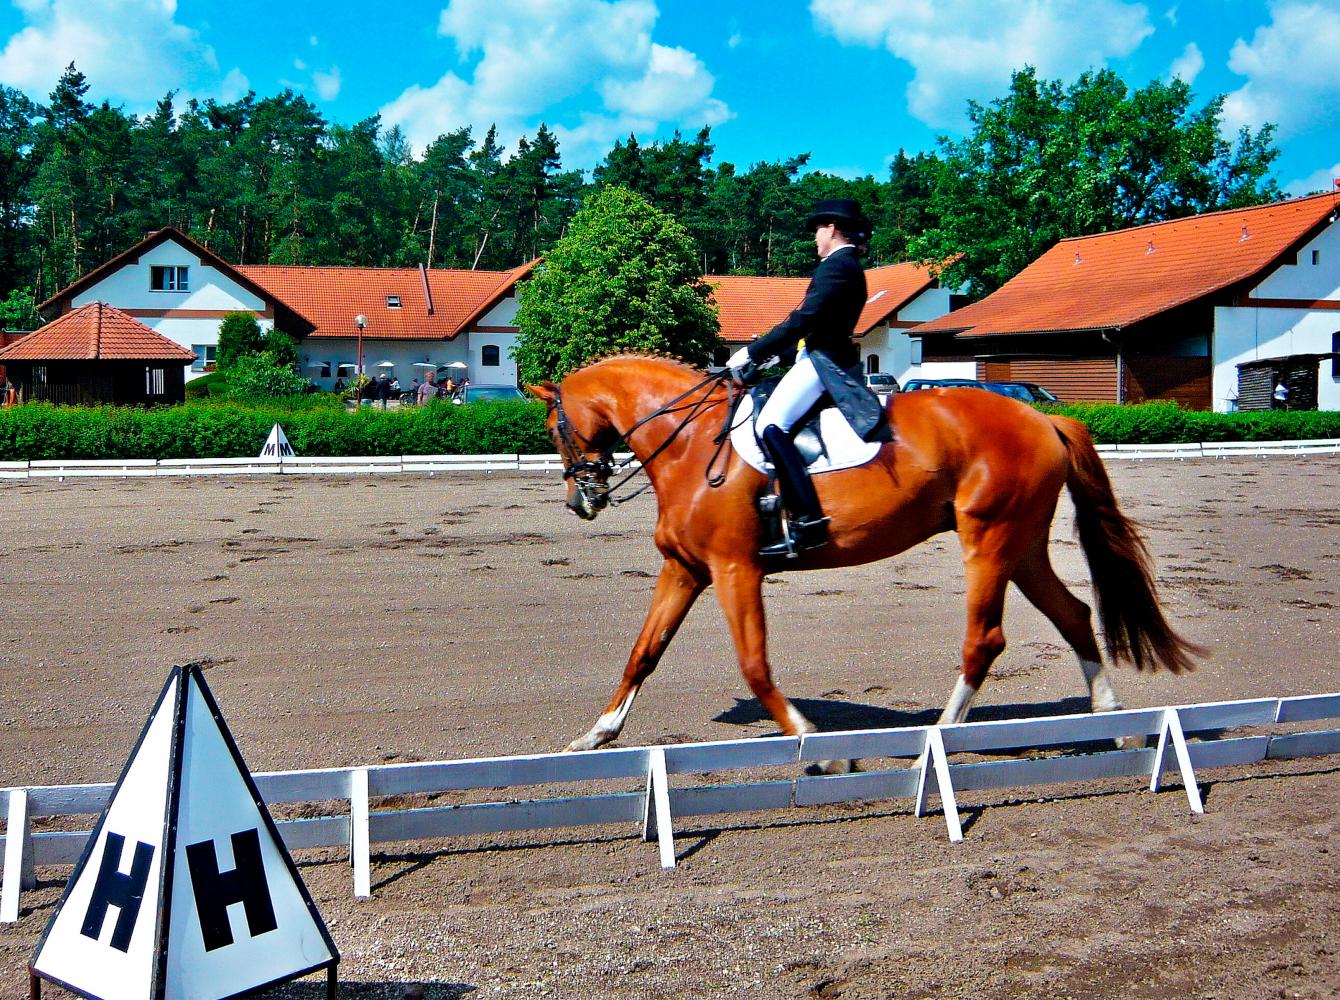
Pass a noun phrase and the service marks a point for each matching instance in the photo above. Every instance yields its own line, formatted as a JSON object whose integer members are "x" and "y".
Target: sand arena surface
{"x": 351, "y": 620}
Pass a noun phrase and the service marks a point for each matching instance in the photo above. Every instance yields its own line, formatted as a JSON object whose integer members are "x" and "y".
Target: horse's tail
{"x": 1132, "y": 621}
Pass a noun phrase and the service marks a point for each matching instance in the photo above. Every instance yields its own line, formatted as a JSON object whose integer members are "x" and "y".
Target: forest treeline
{"x": 270, "y": 180}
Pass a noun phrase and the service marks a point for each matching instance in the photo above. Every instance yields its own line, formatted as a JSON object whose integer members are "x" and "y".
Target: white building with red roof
{"x": 1210, "y": 311}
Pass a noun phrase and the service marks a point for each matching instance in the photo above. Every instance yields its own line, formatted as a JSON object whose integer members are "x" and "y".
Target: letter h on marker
{"x": 216, "y": 891}
{"x": 113, "y": 888}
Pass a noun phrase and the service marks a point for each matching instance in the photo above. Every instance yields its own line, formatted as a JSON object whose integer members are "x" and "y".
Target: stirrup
{"x": 799, "y": 536}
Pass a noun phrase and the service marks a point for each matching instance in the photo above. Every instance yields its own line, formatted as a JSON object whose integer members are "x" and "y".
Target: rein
{"x": 587, "y": 473}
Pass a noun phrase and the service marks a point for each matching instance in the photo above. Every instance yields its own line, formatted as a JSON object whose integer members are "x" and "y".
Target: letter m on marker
{"x": 113, "y": 888}
{"x": 215, "y": 891}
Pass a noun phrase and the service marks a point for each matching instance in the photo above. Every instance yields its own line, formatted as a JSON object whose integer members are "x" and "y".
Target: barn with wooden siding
{"x": 1167, "y": 311}
{"x": 97, "y": 354}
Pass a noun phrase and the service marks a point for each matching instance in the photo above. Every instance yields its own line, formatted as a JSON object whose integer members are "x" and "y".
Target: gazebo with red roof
{"x": 97, "y": 354}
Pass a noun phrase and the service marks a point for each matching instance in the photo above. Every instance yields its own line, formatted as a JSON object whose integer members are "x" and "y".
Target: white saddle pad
{"x": 845, "y": 449}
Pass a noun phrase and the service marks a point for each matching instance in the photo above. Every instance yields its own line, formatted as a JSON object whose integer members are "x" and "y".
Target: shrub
{"x": 239, "y": 335}
{"x": 261, "y": 376}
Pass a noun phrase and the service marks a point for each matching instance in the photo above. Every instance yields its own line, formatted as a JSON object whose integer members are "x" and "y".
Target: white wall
{"x": 930, "y": 304}
{"x": 128, "y": 288}
{"x": 505, "y": 372}
{"x": 1253, "y": 334}
{"x": 503, "y": 314}
{"x": 894, "y": 345}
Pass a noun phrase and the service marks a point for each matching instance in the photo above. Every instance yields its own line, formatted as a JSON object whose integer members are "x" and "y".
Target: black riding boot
{"x": 808, "y": 526}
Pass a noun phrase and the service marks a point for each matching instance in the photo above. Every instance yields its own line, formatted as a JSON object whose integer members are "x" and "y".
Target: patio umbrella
{"x": 458, "y": 364}
{"x": 347, "y": 367}
{"x": 385, "y": 364}
{"x": 425, "y": 364}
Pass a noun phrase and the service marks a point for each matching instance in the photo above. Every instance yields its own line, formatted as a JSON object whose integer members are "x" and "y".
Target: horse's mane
{"x": 661, "y": 356}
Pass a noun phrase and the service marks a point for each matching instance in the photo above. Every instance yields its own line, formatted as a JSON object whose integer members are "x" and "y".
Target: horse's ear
{"x": 546, "y": 391}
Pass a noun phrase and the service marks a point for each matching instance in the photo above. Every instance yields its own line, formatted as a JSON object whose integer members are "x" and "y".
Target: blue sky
{"x": 849, "y": 81}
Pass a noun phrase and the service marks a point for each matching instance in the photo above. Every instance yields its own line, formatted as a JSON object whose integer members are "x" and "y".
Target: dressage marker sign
{"x": 185, "y": 889}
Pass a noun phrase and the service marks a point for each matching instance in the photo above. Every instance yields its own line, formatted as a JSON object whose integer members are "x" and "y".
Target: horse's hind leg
{"x": 676, "y": 590}
{"x": 1040, "y": 584}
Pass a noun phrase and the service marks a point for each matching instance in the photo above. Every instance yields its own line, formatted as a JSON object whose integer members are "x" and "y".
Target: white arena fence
{"x": 433, "y": 464}
{"x": 655, "y": 804}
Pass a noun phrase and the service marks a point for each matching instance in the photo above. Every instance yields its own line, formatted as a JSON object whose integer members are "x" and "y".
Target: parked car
{"x": 881, "y": 383}
{"x": 1029, "y": 392}
{"x": 488, "y": 394}
{"x": 913, "y": 384}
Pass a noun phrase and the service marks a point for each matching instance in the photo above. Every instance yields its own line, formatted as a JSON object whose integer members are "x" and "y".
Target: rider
{"x": 820, "y": 330}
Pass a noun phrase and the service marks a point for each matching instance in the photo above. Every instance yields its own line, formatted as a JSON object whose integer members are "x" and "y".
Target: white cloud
{"x": 327, "y": 84}
{"x": 1188, "y": 65}
{"x": 1293, "y": 78}
{"x": 1320, "y": 180}
{"x": 536, "y": 59}
{"x": 131, "y": 50}
{"x": 964, "y": 49}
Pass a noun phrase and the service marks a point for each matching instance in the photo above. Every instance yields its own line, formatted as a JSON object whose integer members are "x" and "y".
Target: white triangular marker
{"x": 276, "y": 445}
{"x": 185, "y": 889}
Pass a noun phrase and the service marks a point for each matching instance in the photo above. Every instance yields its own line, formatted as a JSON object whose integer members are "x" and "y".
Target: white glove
{"x": 739, "y": 359}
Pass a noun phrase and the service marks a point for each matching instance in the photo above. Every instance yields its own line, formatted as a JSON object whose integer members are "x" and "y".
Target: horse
{"x": 966, "y": 460}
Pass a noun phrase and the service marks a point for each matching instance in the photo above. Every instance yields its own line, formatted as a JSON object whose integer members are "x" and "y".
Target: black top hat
{"x": 842, "y": 210}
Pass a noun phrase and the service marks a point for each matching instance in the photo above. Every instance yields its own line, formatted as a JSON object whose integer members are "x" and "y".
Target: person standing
{"x": 827, "y": 360}
{"x": 383, "y": 389}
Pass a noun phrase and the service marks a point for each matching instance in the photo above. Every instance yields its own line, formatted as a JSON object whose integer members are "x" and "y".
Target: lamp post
{"x": 360, "y": 321}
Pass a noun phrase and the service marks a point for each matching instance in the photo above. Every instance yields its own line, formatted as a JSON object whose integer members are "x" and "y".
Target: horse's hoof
{"x": 831, "y": 767}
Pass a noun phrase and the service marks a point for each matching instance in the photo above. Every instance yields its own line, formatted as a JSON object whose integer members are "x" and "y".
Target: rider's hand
{"x": 741, "y": 365}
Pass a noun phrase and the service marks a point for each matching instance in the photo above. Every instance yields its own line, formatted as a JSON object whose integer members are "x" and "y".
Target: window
{"x": 1316, "y": 257}
{"x": 39, "y": 374}
{"x": 153, "y": 381}
{"x": 169, "y": 279}
{"x": 871, "y": 364}
{"x": 489, "y": 356}
{"x": 720, "y": 355}
{"x": 325, "y": 369}
{"x": 205, "y": 356}
{"x": 393, "y": 302}
{"x": 1335, "y": 355}
{"x": 916, "y": 349}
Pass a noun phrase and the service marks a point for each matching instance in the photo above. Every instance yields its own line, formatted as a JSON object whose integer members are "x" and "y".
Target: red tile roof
{"x": 1112, "y": 280}
{"x": 95, "y": 332}
{"x": 332, "y": 296}
{"x": 749, "y": 306}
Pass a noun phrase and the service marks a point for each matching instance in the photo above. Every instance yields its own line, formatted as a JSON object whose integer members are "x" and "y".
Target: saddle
{"x": 823, "y": 436}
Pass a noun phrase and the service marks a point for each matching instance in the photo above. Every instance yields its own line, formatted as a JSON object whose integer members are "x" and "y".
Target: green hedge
{"x": 319, "y": 425}
{"x": 1166, "y": 423}
{"x": 219, "y": 429}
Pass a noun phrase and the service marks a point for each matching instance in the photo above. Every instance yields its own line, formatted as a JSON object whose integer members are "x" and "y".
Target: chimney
{"x": 427, "y": 291}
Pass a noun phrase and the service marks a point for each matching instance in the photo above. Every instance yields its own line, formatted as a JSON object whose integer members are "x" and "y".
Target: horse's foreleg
{"x": 676, "y": 590}
{"x": 987, "y": 572}
{"x": 740, "y": 591}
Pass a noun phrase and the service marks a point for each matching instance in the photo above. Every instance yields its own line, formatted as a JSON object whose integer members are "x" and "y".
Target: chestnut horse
{"x": 965, "y": 460}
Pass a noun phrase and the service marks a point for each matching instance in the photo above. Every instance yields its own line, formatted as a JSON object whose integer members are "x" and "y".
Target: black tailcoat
{"x": 826, "y": 320}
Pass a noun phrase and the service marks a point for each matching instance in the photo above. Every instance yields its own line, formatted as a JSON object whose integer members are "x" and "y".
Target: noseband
{"x": 590, "y": 477}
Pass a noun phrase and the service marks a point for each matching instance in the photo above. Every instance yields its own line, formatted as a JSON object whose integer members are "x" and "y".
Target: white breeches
{"x": 798, "y": 390}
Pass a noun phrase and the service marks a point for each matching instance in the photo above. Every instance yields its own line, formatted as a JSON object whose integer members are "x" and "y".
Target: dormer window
{"x": 170, "y": 278}
{"x": 393, "y": 302}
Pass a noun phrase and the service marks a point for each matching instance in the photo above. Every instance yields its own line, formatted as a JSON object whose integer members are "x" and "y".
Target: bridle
{"x": 591, "y": 476}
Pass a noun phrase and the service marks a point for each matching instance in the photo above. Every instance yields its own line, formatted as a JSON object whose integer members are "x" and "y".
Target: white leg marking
{"x": 1101, "y": 696}
{"x": 798, "y": 721}
{"x": 607, "y": 727}
{"x": 959, "y": 703}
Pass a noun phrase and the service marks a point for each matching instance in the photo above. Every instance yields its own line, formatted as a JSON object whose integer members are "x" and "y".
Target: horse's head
{"x": 585, "y": 441}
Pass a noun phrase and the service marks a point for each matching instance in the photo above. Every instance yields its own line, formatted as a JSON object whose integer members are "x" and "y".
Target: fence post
{"x": 933, "y": 755}
{"x": 656, "y": 819}
{"x": 18, "y": 856}
{"x": 1172, "y": 727}
{"x": 358, "y": 833}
